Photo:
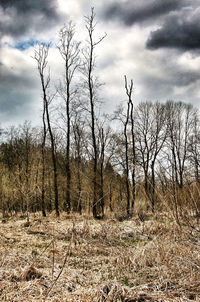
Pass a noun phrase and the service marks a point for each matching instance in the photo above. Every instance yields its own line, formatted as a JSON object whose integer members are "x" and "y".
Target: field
{"x": 74, "y": 258}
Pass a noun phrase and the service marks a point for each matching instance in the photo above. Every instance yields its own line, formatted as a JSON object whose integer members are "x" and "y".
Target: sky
{"x": 154, "y": 42}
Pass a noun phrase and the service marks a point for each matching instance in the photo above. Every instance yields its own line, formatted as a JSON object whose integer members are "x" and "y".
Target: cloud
{"x": 28, "y": 6}
{"x": 16, "y": 103}
{"x": 18, "y": 86}
{"x": 13, "y": 99}
{"x": 22, "y": 16}
{"x": 180, "y": 31}
{"x": 163, "y": 77}
{"x": 130, "y": 12}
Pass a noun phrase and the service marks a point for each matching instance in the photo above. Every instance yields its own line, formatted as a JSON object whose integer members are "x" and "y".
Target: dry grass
{"x": 79, "y": 259}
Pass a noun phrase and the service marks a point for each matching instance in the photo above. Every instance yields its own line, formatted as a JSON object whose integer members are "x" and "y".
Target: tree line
{"x": 78, "y": 162}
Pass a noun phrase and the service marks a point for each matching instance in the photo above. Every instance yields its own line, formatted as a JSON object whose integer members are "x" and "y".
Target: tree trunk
{"x": 127, "y": 161}
{"x": 43, "y": 164}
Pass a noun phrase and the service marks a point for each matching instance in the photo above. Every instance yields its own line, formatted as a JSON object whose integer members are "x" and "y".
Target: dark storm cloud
{"x": 131, "y": 12}
{"x": 19, "y": 16}
{"x": 46, "y": 7}
{"x": 178, "y": 32}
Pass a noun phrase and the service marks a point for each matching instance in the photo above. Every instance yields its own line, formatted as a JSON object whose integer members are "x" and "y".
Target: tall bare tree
{"x": 41, "y": 56}
{"x": 127, "y": 157}
{"x": 129, "y": 92}
{"x": 91, "y": 84}
{"x": 69, "y": 50}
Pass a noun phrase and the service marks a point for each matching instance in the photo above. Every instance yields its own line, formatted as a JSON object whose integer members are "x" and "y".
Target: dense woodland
{"x": 84, "y": 161}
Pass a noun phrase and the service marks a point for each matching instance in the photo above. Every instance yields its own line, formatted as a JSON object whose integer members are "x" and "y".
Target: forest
{"x": 98, "y": 206}
{"x": 152, "y": 157}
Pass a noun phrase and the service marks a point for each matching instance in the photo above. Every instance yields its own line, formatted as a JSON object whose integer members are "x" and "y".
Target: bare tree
{"x": 41, "y": 55}
{"x": 129, "y": 91}
{"x": 104, "y": 142}
{"x": 151, "y": 135}
{"x": 180, "y": 120}
{"x": 122, "y": 151}
{"x": 91, "y": 84}
{"x": 127, "y": 157}
{"x": 180, "y": 124}
{"x": 69, "y": 50}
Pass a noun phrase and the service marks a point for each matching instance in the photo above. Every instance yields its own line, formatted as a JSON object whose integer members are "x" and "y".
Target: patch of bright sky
{"x": 25, "y": 44}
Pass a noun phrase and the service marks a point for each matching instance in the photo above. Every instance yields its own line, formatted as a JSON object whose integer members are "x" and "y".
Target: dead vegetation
{"x": 81, "y": 259}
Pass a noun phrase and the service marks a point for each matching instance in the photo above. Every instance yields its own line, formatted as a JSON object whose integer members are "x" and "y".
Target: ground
{"x": 77, "y": 258}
